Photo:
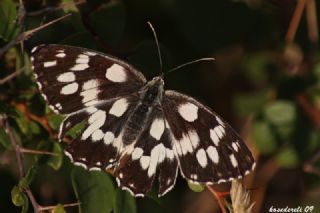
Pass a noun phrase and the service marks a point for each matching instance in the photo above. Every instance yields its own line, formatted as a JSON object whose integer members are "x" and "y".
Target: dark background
{"x": 264, "y": 81}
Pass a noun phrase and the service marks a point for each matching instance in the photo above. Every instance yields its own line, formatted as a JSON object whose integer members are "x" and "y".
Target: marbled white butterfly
{"x": 135, "y": 127}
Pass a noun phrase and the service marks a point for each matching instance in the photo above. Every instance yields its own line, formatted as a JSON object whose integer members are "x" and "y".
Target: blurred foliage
{"x": 259, "y": 83}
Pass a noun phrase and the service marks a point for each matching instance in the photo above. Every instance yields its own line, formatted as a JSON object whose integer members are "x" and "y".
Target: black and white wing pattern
{"x": 89, "y": 87}
{"x": 150, "y": 153}
{"x": 207, "y": 148}
{"x": 133, "y": 126}
{"x": 73, "y": 78}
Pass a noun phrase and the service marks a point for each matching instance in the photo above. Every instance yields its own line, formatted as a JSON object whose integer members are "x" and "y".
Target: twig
{"x": 45, "y": 208}
{"x": 311, "y": 13}
{"x": 11, "y": 76}
{"x": 311, "y": 111}
{"x": 26, "y": 35}
{"x": 295, "y": 21}
{"x": 309, "y": 165}
{"x": 218, "y": 197}
{"x": 37, "y": 152}
{"x": 19, "y": 157}
{"x": 52, "y": 9}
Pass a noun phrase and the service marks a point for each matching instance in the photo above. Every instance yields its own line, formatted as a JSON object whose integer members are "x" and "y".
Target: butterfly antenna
{"x": 158, "y": 47}
{"x": 190, "y": 62}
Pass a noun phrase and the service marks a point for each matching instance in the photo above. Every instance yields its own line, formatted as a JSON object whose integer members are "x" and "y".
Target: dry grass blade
{"x": 240, "y": 198}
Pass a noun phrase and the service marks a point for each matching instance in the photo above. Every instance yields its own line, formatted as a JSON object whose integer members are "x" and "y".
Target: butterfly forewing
{"x": 73, "y": 78}
{"x": 208, "y": 149}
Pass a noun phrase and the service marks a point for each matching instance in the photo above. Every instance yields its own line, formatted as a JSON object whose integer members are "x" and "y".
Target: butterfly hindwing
{"x": 208, "y": 149}
{"x": 72, "y": 78}
{"x": 150, "y": 154}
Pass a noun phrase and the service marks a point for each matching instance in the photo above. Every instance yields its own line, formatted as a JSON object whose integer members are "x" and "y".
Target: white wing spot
{"x": 50, "y": 63}
{"x": 69, "y": 89}
{"x": 188, "y": 111}
{"x": 233, "y": 160}
{"x": 156, "y": 156}
{"x": 97, "y": 135}
{"x": 66, "y": 77}
{"x": 194, "y": 138}
{"x": 169, "y": 154}
{"x": 202, "y": 158}
{"x": 214, "y": 136}
{"x": 90, "y": 84}
{"x": 61, "y": 55}
{"x": 96, "y": 120}
{"x": 157, "y": 128}
{"x": 137, "y": 153}
{"x": 89, "y": 95}
{"x": 185, "y": 144}
{"x": 213, "y": 154}
{"x": 82, "y": 59}
{"x": 79, "y": 67}
{"x": 91, "y": 110}
{"x": 219, "y": 121}
{"x": 119, "y": 107}
{"x": 58, "y": 106}
{"x": 116, "y": 73}
{"x": 108, "y": 138}
{"x": 34, "y": 49}
{"x": 144, "y": 162}
{"x": 235, "y": 146}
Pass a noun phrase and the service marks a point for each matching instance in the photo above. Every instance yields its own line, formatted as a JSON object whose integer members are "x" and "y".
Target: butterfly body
{"x": 136, "y": 127}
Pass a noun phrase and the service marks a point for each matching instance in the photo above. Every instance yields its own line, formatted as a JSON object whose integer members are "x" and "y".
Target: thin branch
{"x": 53, "y": 9}
{"x": 20, "y": 157}
{"x": 37, "y": 152}
{"x": 218, "y": 197}
{"x": 311, "y": 13}
{"x": 26, "y": 35}
{"x": 11, "y": 76}
{"x": 295, "y": 21}
{"x": 46, "y": 208}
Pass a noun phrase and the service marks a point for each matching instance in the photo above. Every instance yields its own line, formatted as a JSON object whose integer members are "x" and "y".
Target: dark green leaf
{"x": 196, "y": 187}
{"x": 124, "y": 202}
{"x": 22, "y": 122}
{"x": 25, "y": 182}
{"x": 4, "y": 139}
{"x": 55, "y": 121}
{"x": 263, "y": 137}
{"x": 94, "y": 190}
{"x": 19, "y": 199}
{"x": 246, "y": 104}
{"x": 9, "y": 27}
{"x": 288, "y": 158}
{"x": 56, "y": 161}
{"x": 74, "y": 131}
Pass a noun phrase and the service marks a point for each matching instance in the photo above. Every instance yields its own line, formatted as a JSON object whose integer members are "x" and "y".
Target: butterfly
{"x": 134, "y": 126}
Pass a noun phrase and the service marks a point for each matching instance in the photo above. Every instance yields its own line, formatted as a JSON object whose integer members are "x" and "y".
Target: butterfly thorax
{"x": 150, "y": 98}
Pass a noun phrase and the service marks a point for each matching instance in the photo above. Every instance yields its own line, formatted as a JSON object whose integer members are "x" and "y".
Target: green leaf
{"x": 59, "y": 209}
{"x": 4, "y": 139}
{"x": 55, "y": 121}
{"x": 74, "y": 131}
{"x": 280, "y": 112}
{"x": 263, "y": 137}
{"x": 9, "y": 27}
{"x": 246, "y": 104}
{"x": 22, "y": 122}
{"x": 288, "y": 158}
{"x": 19, "y": 199}
{"x": 94, "y": 190}
{"x": 69, "y": 6}
{"x": 28, "y": 178}
{"x": 124, "y": 202}
{"x": 196, "y": 187}
{"x": 56, "y": 161}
